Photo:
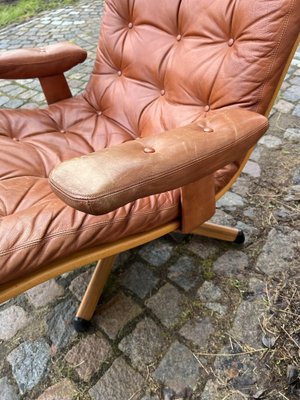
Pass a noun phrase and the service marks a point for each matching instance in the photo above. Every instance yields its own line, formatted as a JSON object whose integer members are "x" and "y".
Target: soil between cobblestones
{"x": 231, "y": 333}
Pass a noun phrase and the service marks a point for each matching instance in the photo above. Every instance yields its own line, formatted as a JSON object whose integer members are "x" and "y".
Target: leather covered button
{"x": 179, "y": 37}
{"x": 119, "y": 73}
{"x": 149, "y": 150}
{"x": 99, "y": 113}
{"x": 162, "y": 92}
{"x": 62, "y": 131}
{"x": 230, "y": 42}
{"x": 15, "y": 139}
{"x": 208, "y": 129}
{"x": 206, "y": 108}
{"x": 130, "y": 25}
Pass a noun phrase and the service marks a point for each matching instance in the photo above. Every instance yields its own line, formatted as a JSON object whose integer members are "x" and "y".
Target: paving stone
{"x": 198, "y": 331}
{"x": 292, "y": 135}
{"x": 230, "y": 202}
{"x": 292, "y": 93}
{"x": 7, "y": 391}
{"x": 240, "y": 370}
{"x": 167, "y": 304}
{"x": 232, "y": 263}
{"x": 271, "y": 142}
{"x": 88, "y": 355}
{"x": 3, "y": 100}
{"x": 209, "y": 292}
{"x": 179, "y": 369}
{"x": 144, "y": 344}
{"x": 79, "y": 284}
{"x": 241, "y": 186}
{"x": 252, "y": 169}
{"x": 60, "y": 327}
{"x": 140, "y": 280}
{"x": 63, "y": 390}
{"x": 296, "y": 177}
{"x": 203, "y": 247}
{"x": 12, "y": 319}
{"x": 120, "y": 382}
{"x": 221, "y": 218}
{"x": 29, "y": 362}
{"x": 14, "y": 103}
{"x": 296, "y": 81}
{"x": 278, "y": 252}
{"x": 250, "y": 213}
{"x": 116, "y": 314}
{"x": 185, "y": 272}
{"x": 296, "y": 111}
{"x": 157, "y": 252}
{"x": 44, "y": 293}
{"x": 217, "y": 307}
{"x": 293, "y": 194}
{"x": 284, "y": 106}
{"x": 246, "y": 326}
{"x": 211, "y": 391}
{"x": 256, "y": 154}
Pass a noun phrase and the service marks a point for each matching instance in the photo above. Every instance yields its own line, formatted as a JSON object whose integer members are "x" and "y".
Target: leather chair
{"x": 177, "y": 100}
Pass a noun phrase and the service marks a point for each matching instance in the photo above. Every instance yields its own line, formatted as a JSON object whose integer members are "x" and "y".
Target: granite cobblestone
{"x": 163, "y": 309}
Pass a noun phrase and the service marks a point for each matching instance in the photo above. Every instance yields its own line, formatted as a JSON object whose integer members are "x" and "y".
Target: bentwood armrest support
{"x": 48, "y": 64}
{"x": 105, "y": 180}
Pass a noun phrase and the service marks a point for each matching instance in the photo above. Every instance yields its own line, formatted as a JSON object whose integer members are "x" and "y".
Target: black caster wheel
{"x": 240, "y": 239}
{"x": 81, "y": 325}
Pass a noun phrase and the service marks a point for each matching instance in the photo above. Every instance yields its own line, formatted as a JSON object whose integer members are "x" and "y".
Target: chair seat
{"x": 36, "y": 227}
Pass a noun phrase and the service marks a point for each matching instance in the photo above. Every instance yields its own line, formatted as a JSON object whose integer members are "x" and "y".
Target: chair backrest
{"x": 163, "y": 63}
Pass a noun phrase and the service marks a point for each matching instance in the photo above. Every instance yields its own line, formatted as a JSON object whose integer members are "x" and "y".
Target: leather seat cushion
{"x": 36, "y": 227}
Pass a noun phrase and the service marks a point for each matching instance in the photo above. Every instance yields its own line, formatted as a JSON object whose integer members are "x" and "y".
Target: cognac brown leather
{"x": 161, "y": 64}
{"x": 101, "y": 182}
{"x": 40, "y": 62}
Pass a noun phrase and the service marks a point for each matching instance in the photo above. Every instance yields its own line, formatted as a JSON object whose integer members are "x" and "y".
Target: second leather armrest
{"x": 107, "y": 179}
{"x": 28, "y": 63}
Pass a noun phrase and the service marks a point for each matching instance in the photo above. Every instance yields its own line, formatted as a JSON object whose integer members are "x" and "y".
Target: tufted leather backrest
{"x": 163, "y": 63}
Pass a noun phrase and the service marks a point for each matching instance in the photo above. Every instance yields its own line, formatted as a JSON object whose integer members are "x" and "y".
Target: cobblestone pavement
{"x": 213, "y": 294}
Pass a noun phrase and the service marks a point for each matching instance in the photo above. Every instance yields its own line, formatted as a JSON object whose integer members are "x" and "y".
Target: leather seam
{"x": 272, "y": 61}
{"x": 75, "y": 231}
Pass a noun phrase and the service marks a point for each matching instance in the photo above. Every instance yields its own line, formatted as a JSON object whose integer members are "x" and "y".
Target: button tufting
{"x": 149, "y": 150}
{"x": 15, "y": 139}
{"x": 208, "y": 129}
{"x": 179, "y": 37}
{"x": 162, "y": 92}
{"x": 99, "y": 113}
{"x": 62, "y": 131}
{"x": 119, "y": 73}
{"x": 130, "y": 25}
{"x": 206, "y": 108}
{"x": 230, "y": 42}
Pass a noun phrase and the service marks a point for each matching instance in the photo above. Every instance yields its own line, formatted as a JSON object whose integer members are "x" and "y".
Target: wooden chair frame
{"x": 106, "y": 253}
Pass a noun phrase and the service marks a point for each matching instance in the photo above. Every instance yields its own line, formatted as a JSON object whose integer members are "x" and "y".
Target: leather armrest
{"x": 107, "y": 179}
{"x": 42, "y": 62}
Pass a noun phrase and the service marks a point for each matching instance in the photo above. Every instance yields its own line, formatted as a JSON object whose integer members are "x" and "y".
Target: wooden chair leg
{"x": 226, "y": 233}
{"x": 92, "y": 295}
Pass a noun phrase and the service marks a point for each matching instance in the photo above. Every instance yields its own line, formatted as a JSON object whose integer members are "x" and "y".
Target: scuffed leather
{"x": 40, "y": 62}
{"x": 105, "y": 180}
{"x": 160, "y": 73}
